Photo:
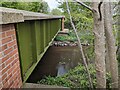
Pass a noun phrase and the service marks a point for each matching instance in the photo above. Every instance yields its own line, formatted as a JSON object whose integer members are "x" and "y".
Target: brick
{"x": 8, "y": 51}
{"x": 11, "y": 83}
{"x": 16, "y": 56}
{"x": 2, "y": 48}
{"x": 1, "y": 54}
{"x": 6, "y": 40}
{"x": 13, "y": 53}
{"x": 13, "y": 37}
{"x": 19, "y": 73}
{"x": 0, "y": 78}
{"x": 15, "y": 46}
{"x": 11, "y": 69}
{"x": 5, "y": 58}
{"x": 10, "y": 44}
{"x": 9, "y": 60}
{"x": 0, "y": 43}
{"x": 18, "y": 63}
{"x": 5, "y": 28}
{"x": 15, "y": 76}
{"x": 0, "y": 86}
{"x": 13, "y": 86}
{"x": 12, "y": 27}
{"x": 16, "y": 69}
{"x": 9, "y": 76}
{"x": 5, "y": 85}
{"x": 2, "y": 66}
{"x": 5, "y": 81}
{"x": 2, "y": 35}
{"x": 9, "y": 33}
{"x": 6, "y": 25}
{"x": 16, "y": 84}
{"x": 12, "y": 78}
{"x": 4, "y": 76}
{"x": 5, "y": 69}
{"x": 13, "y": 63}
{"x": 20, "y": 83}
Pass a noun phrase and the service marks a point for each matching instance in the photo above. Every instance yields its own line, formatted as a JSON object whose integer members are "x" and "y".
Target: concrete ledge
{"x": 44, "y": 87}
{"x": 8, "y": 15}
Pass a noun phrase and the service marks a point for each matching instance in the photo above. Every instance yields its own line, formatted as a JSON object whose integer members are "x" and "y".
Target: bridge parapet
{"x": 9, "y": 15}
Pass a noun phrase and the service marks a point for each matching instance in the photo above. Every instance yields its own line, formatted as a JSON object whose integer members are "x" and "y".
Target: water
{"x": 56, "y": 62}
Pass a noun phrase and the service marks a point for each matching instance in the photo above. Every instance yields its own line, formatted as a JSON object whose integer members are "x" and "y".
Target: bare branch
{"x": 83, "y": 4}
{"x": 80, "y": 46}
{"x": 99, "y": 9}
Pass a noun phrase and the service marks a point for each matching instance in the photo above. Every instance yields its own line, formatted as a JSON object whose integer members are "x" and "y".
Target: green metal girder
{"x": 26, "y": 45}
{"x": 34, "y": 38}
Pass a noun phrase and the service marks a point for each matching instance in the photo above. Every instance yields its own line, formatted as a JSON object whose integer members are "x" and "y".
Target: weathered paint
{"x": 34, "y": 38}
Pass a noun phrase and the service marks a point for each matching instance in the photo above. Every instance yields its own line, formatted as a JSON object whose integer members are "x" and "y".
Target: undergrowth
{"x": 70, "y": 37}
{"x": 75, "y": 78}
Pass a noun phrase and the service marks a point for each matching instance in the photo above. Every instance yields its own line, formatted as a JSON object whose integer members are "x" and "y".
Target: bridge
{"x": 34, "y": 34}
{"x": 34, "y": 38}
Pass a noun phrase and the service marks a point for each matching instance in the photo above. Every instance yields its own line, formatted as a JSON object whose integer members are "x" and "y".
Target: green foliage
{"x": 70, "y": 37}
{"x": 40, "y": 6}
{"x": 75, "y": 78}
{"x": 65, "y": 38}
{"x": 80, "y": 15}
{"x": 82, "y": 19}
{"x": 56, "y": 12}
{"x": 86, "y": 37}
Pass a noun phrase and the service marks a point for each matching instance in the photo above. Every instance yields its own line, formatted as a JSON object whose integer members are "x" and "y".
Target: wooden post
{"x": 63, "y": 24}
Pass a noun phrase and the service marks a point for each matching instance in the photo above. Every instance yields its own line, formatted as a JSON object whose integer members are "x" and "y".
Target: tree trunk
{"x": 118, "y": 27}
{"x": 110, "y": 42}
{"x": 107, "y": 61}
{"x": 99, "y": 43}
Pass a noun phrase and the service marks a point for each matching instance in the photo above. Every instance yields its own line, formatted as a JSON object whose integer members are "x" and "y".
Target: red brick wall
{"x": 10, "y": 75}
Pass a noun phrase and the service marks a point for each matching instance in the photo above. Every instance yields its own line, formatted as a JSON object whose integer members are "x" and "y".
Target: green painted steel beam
{"x": 35, "y": 64}
{"x": 26, "y": 45}
{"x": 34, "y": 38}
